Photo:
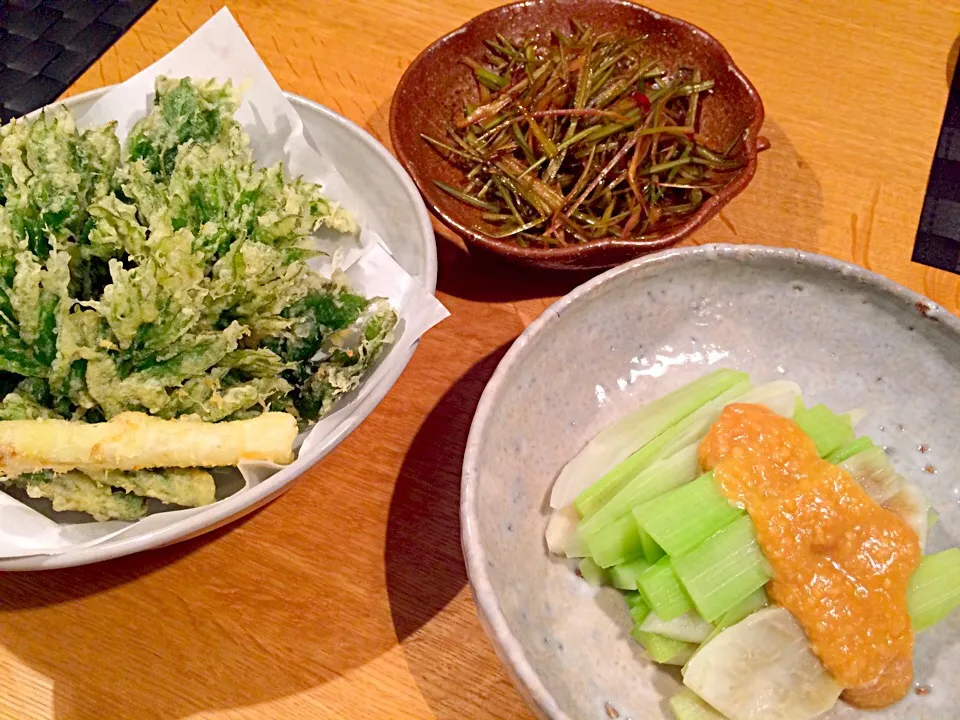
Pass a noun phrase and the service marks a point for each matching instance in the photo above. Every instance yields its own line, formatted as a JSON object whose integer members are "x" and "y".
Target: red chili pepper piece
{"x": 641, "y": 100}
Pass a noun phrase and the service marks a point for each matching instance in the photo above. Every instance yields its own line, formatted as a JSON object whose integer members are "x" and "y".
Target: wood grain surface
{"x": 348, "y": 597}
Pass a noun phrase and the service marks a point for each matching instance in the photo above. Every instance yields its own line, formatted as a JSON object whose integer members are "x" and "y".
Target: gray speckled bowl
{"x": 847, "y": 336}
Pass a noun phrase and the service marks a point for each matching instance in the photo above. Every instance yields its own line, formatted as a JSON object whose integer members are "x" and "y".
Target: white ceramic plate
{"x": 391, "y": 205}
{"x": 850, "y": 338}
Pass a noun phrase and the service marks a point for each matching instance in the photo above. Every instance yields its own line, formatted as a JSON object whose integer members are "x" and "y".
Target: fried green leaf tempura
{"x": 167, "y": 276}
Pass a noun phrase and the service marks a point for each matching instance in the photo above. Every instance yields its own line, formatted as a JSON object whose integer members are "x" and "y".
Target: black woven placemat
{"x": 938, "y": 238}
{"x": 47, "y": 44}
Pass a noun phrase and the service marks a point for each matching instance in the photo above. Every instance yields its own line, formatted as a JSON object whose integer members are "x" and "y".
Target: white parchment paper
{"x": 220, "y": 50}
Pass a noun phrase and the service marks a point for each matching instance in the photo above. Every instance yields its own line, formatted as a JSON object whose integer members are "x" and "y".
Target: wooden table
{"x": 348, "y": 596}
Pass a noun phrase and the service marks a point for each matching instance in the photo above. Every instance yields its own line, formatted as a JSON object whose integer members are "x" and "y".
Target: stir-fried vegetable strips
{"x": 581, "y": 137}
{"x": 168, "y": 277}
{"x": 689, "y": 559}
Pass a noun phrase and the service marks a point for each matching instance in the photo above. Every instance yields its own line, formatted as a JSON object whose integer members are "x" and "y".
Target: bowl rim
{"x": 569, "y": 254}
{"x": 508, "y": 648}
{"x": 235, "y": 506}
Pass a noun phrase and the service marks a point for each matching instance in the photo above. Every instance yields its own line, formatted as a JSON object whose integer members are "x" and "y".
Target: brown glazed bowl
{"x": 434, "y": 88}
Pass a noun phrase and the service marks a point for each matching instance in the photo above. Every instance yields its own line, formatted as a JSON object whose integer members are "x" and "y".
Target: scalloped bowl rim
{"x": 706, "y": 212}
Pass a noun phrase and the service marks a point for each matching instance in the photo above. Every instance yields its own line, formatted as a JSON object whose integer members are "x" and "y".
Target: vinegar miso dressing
{"x": 841, "y": 562}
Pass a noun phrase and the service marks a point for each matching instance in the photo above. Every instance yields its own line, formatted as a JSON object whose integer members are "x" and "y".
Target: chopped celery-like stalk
{"x": 624, "y": 577}
{"x": 662, "y": 590}
{"x": 593, "y": 573}
{"x": 688, "y": 627}
{"x": 663, "y": 650}
{"x": 619, "y": 543}
{"x": 575, "y": 547}
{"x": 682, "y": 657}
{"x": 934, "y": 589}
{"x": 651, "y": 551}
{"x": 683, "y": 518}
{"x": 638, "y": 607}
{"x": 639, "y": 613}
{"x": 561, "y": 531}
{"x": 687, "y": 705}
{"x": 872, "y": 470}
{"x": 624, "y": 438}
{"x": 847, "y": 451}
{"x": 911, "y": 506}
{"x": 856, "y": 416}
{"x": 757, "y": 600}
{"x": 779, "y": 396}
{"x": 762, "y": 668}
{"x": 723, "y": 570}
{"x": 662, "y": 476}
{"x": 692, "y": 425}
{"x": 615, "y": 544}
{"x": 598, "y": 494}
{"x": 827, "y": 429}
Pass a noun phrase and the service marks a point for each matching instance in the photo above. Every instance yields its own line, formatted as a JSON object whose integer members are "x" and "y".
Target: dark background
{"x": 47, "y": 44}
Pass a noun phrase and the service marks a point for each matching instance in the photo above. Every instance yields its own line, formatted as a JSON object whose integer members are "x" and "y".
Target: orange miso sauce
{"x": 841, "y": 562}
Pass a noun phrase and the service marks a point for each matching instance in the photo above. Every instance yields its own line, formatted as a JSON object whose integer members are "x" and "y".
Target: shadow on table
{"x": 782, "y": 206}
{"x": 423, "y": 557}
{"x": 483, "y": 277}
{"x": 426, "y": 577}
{"x": 952, "y": 60}
{"x": 254, "y": 614}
